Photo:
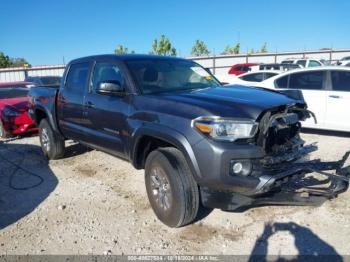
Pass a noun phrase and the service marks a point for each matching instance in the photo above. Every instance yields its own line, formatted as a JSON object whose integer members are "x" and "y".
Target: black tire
{"x": 52, "y": 144}
{"x": 3, "y": 133}
{"x": 183, "y": 203}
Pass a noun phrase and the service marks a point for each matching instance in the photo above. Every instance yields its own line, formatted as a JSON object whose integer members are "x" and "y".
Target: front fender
{"x": 168, "y": 135}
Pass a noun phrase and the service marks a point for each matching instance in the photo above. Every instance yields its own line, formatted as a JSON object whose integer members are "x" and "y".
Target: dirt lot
{"x": 93, "y": 203}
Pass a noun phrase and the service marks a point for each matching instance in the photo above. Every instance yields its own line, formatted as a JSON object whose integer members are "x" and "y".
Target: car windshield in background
{"x": 8, "y": 93}
{"x": 50, "y": 81}
{"x": 162, "y": 75}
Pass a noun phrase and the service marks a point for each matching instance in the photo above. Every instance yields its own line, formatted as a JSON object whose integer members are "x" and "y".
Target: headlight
{"x": 225, "y": 129}
{"x": 10, "y": 112}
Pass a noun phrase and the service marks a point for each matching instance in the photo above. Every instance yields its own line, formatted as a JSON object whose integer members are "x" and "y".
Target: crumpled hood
{"x": 231, "y": 101}
{"x": 18, "y": 104}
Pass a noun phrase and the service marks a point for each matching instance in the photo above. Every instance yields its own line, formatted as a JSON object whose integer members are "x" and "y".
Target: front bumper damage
{"x": 298, "y": 183}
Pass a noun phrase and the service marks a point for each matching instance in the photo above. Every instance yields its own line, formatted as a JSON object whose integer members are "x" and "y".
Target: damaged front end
{"x": 286, "y": 178}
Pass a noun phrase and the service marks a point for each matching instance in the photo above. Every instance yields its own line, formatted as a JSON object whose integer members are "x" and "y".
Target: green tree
{"x": 120, "y": 49}
{"x": 264, "y": 48}
{"x": 199, "y": 49}
{"x": 19, "y": 62}
{"x": 4, "y": 60}
{"x": 251, "y": 51}
{"x": 232, "y": 49}
{"x": 163, "y": 47}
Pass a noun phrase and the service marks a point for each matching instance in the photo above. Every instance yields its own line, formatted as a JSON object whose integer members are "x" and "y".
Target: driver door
{"x": 105, "y": 114}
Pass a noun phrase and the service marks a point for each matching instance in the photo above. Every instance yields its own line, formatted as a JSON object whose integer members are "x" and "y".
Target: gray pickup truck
{"x": 200, "y": 143}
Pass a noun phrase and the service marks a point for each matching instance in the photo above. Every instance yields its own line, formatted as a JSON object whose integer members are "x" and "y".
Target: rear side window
{"x": 77, "y": 77}
{"x": 308, "y": 80}
{"x": 258, "y": 77}
{"x": 341, "y": 80}
{"x": 282, "y": 82}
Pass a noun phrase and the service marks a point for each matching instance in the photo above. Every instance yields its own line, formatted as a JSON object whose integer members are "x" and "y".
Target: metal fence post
{"x": 214, "y": 65}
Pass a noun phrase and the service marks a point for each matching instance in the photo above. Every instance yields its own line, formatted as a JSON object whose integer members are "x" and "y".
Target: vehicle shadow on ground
{"x": 26, "y": 180}
{"x": 308, "y": 244}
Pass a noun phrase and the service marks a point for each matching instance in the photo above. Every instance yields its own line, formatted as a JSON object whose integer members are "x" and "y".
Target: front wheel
{"x": 52, "y": 144}
{"x": 3, "y": 133}
{"x": 171, "y": 188}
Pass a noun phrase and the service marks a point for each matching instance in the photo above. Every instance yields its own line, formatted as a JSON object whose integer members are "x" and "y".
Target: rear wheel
{"x": 171, "y": 188}
{"x": 52, "y": 144}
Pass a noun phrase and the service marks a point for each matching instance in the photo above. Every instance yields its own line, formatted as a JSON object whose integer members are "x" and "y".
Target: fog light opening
{"x": 243, "y": 168}
{"x": 237, "y": 168}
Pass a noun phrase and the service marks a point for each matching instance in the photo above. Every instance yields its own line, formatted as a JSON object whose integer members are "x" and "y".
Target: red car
{"x": 14, "y": 119}
{"x": 239, "y": 69}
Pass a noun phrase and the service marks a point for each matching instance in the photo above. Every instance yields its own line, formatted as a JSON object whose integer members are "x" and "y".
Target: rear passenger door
{"x": 338, "y": 101}
{"x": 70, "y": 101}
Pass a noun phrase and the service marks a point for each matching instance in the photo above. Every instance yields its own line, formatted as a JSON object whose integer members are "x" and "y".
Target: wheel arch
{"x": 162, "y": 137}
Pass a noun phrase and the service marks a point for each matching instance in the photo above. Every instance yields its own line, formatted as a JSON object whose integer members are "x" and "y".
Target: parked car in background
{"x": 16, "y": 85}
{"x": 48, "y": 81}
{"x": 344, "y": 61}
{"x": 279, "y": 67}
{"x": 303, "y": 62}
{"x": 199, "y": 143}
{"x": 258, "y": 76}
{"x": 250, "y": 78}
{"x": 14, "y": 119}
{"x": 326, "y": 91}
{"x": 239, "y": 69}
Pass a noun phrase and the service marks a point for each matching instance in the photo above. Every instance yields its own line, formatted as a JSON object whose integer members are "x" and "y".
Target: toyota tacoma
{"x": 201, "y": 144}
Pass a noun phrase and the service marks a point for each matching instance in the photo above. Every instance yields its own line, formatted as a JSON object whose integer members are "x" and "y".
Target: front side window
{"x": 314, "y": 63}
{"x": 268, "y": 75}
{"x": 308, "y": 80}
{"x": 341, "y": 80}
{"x": 107, "y": 71}
{"x": 258, "y": 77}
{"x": 77, "y": 77}
{"x": 169, "y": 75}
{"x": 302, "y": 63}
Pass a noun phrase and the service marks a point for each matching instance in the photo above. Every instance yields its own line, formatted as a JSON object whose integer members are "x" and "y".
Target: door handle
{"x": 333, "y": 96}
{"x": 89, "y": 104}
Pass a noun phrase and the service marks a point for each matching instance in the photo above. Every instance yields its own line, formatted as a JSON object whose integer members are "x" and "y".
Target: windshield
{"x": 7, "y": 93}
{"x": 50, "y": 80}
{"x": 169, "y": 75}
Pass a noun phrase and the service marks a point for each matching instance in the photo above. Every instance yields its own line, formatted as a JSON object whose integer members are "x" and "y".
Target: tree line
{"x": 6, "y": 61}
{"x": 163, "y": 46}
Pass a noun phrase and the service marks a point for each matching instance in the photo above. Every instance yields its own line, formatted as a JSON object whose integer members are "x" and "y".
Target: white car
{"x": 345, "y": 61}
{"x": 250, "y": 78}
{"x": 303, "y": 62}
{"x": 326, "y": 90}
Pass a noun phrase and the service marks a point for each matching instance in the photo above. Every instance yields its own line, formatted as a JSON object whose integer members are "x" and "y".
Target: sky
{"x": 50, "y": 32}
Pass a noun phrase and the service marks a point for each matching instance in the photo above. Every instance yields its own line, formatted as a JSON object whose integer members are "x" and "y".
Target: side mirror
{"x": 110, "y": 87}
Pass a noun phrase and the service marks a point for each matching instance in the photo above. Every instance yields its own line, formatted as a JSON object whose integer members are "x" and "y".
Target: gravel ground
{"x": 93, "y": 203}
